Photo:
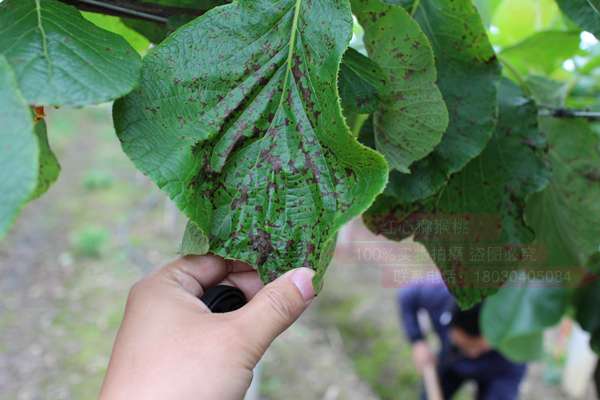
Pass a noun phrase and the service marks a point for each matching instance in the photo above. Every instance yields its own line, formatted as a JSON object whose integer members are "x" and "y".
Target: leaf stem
{"x": 415, "y": 7}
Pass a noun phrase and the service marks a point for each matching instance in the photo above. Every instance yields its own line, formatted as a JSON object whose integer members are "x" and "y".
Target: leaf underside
{"x": 412, "y": 115}
{"x": 62, "y": 59}
{"x": 238, "y": 120}
{"x": 474, "y": 229}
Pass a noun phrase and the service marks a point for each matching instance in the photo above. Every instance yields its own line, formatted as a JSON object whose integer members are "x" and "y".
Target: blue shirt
{"x": 497, "y": 377}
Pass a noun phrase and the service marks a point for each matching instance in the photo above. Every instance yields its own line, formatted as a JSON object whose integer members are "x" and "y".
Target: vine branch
{"x": 133, "y": 9}
{"x": 570, "y": 113}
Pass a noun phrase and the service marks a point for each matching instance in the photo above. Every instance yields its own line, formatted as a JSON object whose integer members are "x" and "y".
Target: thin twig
{"x": 569, "y": 113}
{"x": 133, "y": 9}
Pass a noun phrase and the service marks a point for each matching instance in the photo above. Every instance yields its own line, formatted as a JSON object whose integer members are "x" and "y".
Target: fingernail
{"x": 302, "y": 279}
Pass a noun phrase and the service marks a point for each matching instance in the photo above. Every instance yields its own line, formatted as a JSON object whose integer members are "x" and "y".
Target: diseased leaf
{"x": 18, "y": 149}
{"x": 474, "y": 229}
{"x": 514, "y": 319}
{"x": 543, "y": 52}
{"x": 467, "y": 76}
{"x": 49, "y": 168}
{"x": 586, "y": 13}
{"x": 360, "y": 83}
{"x": 412, "y": 115}
{"x": 566, "y": 216}
{"x": 238, "y": 120}
{"x": 60, "y": 58}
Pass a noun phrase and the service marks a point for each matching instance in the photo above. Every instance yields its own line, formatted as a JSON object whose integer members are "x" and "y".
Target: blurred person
{"x": 464, "y": 353}
{"x": 170, "y": 346}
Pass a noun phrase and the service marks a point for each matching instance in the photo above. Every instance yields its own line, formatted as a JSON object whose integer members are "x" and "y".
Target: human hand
{"x": 170, "y": 346}
{"x": 422, "y": 355}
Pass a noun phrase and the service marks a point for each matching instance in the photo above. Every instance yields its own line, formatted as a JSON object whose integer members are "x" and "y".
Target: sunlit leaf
{"x": 515, "y": 20}
{"x": 115, "y": 25}
{"x": 543, "y": 52}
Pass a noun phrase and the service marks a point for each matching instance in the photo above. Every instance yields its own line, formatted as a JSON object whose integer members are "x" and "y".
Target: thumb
{"x": 276, "y": 307}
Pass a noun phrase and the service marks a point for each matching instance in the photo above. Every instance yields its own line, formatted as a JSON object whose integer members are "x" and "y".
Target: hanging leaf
{"x": 514, "y": 319}
{"x": 49, "y": 168}
{"x": 18, "y": 149}
{"x": 474, "y": 229}
{"x": 60, "y": 58}
{"x": 238, "y": 120}
{"x": 586, "y": 13}
{"x": 467, "y": 76}
{"x": 412, "y": 115}
{"x": 566, "y": 216}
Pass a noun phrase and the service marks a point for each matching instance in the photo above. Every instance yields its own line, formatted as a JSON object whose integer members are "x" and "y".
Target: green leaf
{"x": 238, "y": 120}
{"x": 468, "y": 74}
{"x": 566, "y": 216}
{"x": 547, "y": 92}
{"x": 115, "y": 25}
{"x": 474, "y": 229}
{"x": 412, "y": 115}
{"x": 586, "y": 303}
{"x": 543, "y": 52}
{"x": 49, "y": 168}
{"x": 62, "y": 59}
{"x": 360, "y": 83}
{"x": 514, "y": 319}
{"x": 586, "y": 13}
{"x": 18, "y": 149}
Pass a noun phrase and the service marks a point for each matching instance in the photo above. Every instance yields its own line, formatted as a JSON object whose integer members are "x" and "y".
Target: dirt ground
{"x": 66, "y": 267}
